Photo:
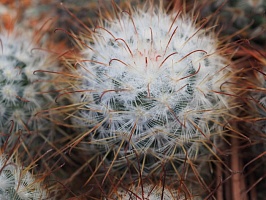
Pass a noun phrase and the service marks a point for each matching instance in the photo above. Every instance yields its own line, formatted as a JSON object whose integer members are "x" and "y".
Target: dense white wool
{"x": 17, "y": 183}
{"x": 150, "y": 80}
{"x": 147, "y": 192}
{"x": 9, "y": 93}
{"x": 22, "y": 91}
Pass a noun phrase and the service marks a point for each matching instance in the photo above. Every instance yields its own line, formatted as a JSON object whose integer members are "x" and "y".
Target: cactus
{"x": 18, "y": 183}
{"x": 24, "y": 91}
{"x": 258, "y": 129}
{"x": 149, "y": 98}
{"x": 28, "y": 88}
{"x": 149, "y": 90}
{"x": 29, "y": 64}
{"x": 149, "y": 191}
{"x": 165, "y": 187}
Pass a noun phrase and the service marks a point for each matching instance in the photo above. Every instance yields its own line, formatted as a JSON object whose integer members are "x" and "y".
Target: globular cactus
{"x": 29, "y": 65}
{"x": 144, "y": 189}
{"x": 149, "y": 89}
{"x": 148, "y": 191}
{"x": 24, "y": 91}
{"x": 18, "y": 183}
{"x": 28, "y": 88}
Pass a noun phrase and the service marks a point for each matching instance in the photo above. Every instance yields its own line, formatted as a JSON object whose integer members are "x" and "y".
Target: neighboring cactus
{"x": 28, "y": 87}
{"x": 149, "y": 192}
{"x": 248, "y": 141}
{"x": 18, "y": 183}
{"x": 149, "y": 90}
{"x": 24, "y": 91}
{"x": 165, "y": 187}
{"x": 258, "y": 159}
{"x": 29, "y": 84}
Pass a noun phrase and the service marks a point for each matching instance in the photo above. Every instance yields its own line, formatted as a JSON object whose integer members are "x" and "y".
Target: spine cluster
{"x": 17, "y": 182}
